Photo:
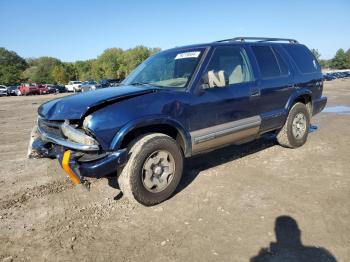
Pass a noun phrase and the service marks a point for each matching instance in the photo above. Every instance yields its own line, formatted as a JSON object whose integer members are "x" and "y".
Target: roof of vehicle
{"x": 241, "y": 40}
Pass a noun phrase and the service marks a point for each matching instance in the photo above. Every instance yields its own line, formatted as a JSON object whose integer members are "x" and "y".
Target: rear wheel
{"x": 153, "y": 170}
{"x": 295, "y": 131}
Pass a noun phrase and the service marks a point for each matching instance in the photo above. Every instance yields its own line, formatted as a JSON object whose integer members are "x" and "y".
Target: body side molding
{"x": 219, "y": 135}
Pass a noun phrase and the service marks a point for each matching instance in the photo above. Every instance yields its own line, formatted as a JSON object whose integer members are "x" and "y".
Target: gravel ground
{"x": 257, "y": 201}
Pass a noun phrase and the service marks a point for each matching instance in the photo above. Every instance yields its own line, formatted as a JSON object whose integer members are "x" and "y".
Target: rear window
{"x": 267, "y": 61}
{"x": 303, "y": 58}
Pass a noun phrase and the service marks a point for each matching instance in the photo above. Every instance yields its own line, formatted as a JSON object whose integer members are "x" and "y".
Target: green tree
{"x": 59, "y": 74}
{"x": 40, "y": 70}
{"x": 112, "y": 63}
{"x": 97, "y": 71}
{"x": 71, "y": 71}
{"x": 340, "y": 61}
{"x": 348, "y": 58}
{"x": 108, "y": 63}
{"x": 136, "y": 55}
{"x": 325, "y": 63}
{"x": 11, "y": 67}
{"x": 117, "y": 63}
{"x": 84, "y": 69}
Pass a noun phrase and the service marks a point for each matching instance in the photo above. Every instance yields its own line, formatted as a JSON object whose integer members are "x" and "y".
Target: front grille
{"x": 52, "y": 128}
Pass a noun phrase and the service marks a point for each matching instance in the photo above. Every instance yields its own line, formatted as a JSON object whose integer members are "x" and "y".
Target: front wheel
{"x": 153, "y": 170}
{"x": 295, "y": 131}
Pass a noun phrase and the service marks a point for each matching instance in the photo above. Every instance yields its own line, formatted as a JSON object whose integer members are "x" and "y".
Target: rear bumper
{"x": 318, "y": 105}
{"x": 78, "y": 164}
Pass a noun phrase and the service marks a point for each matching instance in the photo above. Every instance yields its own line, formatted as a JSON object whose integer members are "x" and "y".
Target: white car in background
{"x": 3, "y": 90}
{"x": 73, "y": 86}
{"x": 89, "y": 85}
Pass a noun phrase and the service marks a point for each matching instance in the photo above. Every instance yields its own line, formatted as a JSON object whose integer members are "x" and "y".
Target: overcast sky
{"x": 78, "y": 30}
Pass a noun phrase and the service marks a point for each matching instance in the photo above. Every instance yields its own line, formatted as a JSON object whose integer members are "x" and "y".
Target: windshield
{"x": 172, "y": 69}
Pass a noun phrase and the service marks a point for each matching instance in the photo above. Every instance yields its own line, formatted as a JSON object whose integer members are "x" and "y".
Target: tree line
{"x": 112, "y": 63}
{"x": 341, "y": 60}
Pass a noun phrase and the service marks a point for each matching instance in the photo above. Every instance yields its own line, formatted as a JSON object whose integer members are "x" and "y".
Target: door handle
{"x": 255, "y": 91}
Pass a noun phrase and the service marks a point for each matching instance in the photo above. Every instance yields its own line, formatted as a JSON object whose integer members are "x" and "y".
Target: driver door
{"x": 225, "y": 110}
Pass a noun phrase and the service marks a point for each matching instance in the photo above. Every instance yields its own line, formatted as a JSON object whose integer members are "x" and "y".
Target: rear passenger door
{"x": 275, "y": 84}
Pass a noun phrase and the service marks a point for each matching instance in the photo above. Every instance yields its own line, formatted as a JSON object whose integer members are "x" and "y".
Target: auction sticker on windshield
{"x": 188, "y": 55}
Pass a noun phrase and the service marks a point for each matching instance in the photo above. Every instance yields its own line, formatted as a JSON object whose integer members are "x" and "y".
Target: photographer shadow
{"x": 289, "y": 248}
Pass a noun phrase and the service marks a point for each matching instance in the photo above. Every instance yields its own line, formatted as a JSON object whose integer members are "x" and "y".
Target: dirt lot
{"x": 225, "y": 210}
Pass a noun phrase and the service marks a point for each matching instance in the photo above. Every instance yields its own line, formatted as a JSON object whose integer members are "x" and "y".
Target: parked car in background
{"x": 89, "y": 85}
{"x": 43, "y": 90}
{"x": 110, "y": 82}
{"x": 328, "y": 77}
{"x": 29, "y": 89}
{"x": 12, "y": 90}
{"x": 18, "y": 91}
{"x": 73, "y": 86}
{"x": 51, "y": 88}
{"x": 334, "y": 75}
{"x": 56, "y": 88}
{"x": 3, "y": 90}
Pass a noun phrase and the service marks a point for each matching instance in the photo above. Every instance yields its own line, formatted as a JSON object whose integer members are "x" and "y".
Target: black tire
{"x": 286, "y": 137}
{"x": 132, "y": 177}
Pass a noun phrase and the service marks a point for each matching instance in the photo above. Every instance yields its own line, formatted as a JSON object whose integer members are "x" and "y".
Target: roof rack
{"x": 259, "y": 39}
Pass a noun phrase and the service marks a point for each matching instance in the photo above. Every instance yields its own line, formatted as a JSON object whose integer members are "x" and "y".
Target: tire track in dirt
{"x": 34, "y": 192}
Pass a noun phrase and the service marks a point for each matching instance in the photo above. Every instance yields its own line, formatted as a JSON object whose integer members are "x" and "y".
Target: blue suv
{"x": 179, "y": 103}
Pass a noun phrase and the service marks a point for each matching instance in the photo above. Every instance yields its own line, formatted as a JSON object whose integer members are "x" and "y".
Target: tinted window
{"x": 233, "y": 62}
{"x": 267, "y": 61}
{"x": 281, "y": 63}
{"x": 303, "y": 58}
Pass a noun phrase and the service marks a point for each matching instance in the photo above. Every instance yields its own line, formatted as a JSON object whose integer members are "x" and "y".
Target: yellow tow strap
{"x": 69, "y": 171}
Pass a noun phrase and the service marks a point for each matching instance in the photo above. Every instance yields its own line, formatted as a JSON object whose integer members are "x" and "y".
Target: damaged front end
{"x": 78, "y": 152}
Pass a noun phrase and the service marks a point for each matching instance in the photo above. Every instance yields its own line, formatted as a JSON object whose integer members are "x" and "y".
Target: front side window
{"x": 171, "y": 69}
{"x": 228, "y": 65}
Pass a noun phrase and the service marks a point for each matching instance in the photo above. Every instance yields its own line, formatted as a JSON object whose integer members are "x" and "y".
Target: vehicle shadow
{"x": 289, "y": 247}
{"x": 194, "y": 165}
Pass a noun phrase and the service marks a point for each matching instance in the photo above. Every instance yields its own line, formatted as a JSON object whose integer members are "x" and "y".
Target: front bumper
{"x": 77, "y": 169}
{"x": 64, "y": 142}
{"x": 77, "y": 162}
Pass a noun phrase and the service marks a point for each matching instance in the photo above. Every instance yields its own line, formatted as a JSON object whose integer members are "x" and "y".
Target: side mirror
{"x": 214, "y": 79}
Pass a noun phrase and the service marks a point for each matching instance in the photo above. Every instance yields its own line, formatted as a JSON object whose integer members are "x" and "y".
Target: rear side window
{"x": 303, "y": 58}
{"x": 267, "y": 61}
{"x": 283, "y": 67}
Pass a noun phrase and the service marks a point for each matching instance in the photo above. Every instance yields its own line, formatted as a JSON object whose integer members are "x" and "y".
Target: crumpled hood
{"x": 78, "y": 105}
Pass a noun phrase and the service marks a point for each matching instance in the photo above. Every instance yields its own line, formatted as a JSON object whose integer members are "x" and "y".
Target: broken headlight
{"x": 76, "y": 135}
{"x": 87, "y": 122}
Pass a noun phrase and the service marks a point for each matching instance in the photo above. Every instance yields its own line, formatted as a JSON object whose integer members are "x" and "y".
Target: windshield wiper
{"x": 144, "y": 84}
{"x": 139, "y": 84}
